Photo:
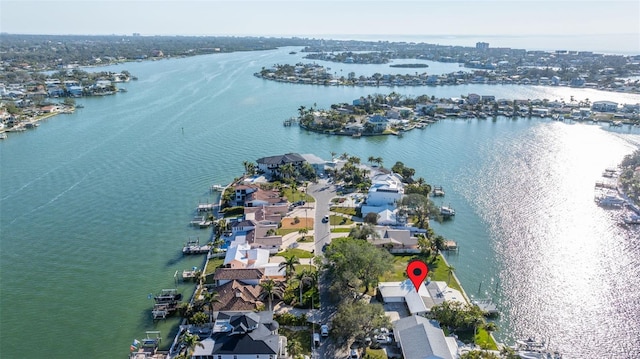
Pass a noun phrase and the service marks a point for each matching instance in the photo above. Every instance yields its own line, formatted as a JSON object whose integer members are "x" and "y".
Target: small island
{"x": 409, "y": 66}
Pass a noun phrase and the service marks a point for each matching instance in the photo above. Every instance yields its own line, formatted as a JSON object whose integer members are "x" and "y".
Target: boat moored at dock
{"x": 447, "y": 211}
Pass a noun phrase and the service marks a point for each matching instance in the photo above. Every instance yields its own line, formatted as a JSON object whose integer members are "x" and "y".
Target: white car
{"x": 353, "y": 354}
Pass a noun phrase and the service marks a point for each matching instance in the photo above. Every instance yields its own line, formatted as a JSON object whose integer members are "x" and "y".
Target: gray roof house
{"x": 271, "y": 165}
{"x": 238, "y": 335}
{"x": 421, "y": 338}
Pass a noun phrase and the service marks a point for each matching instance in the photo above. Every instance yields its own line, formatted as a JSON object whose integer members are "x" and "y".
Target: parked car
{"x": 325, "y": 219}
{"x": 383, "y": 339}
{"x": 353, "y": 354}
{"x": 316, "y": 339}
{"x": 324, "y": 330}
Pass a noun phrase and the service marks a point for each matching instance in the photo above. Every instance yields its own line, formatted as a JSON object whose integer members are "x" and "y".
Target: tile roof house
{"x": 240, "y": 335}
{"x": 271, "y": 213}
{"x": 251, "y": 276}
{"x": 237, "y": 296}
{"x": 421, "y": 338}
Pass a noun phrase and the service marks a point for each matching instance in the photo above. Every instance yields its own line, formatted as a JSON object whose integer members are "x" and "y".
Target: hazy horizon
{"x": 352, "y": 18}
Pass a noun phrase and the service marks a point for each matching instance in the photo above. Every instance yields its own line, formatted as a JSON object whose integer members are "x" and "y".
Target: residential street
{"x": 323, "y": 192}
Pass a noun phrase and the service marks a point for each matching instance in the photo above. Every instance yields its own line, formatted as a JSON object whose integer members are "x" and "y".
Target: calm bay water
{"x": 94, "y": 206}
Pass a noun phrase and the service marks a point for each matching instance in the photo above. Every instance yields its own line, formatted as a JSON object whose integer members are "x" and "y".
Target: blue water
{"x": 95, "y": 206}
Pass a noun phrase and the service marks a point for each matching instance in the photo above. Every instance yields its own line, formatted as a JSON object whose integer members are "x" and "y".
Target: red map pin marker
{"x": 417, "y": 271}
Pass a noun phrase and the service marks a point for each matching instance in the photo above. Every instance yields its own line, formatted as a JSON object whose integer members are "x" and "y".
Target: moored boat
{"x": 447, "y": 212}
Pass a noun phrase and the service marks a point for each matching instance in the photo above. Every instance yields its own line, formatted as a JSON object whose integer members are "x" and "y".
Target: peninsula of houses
{"x": 394, "y": 114}
{"x": 35, "y": 97}
{"x": 270, "y": 272}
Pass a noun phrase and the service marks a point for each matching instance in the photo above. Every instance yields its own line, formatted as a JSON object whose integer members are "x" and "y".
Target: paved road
{"x": 323, "y": 192}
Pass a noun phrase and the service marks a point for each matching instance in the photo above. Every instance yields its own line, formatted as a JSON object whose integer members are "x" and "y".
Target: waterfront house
{"x": 421, "y": 338}
{"x": 241, "y": 256}
{"x": 243, "y": 335}
{"x": 263, "y": 236}
{"x": 271, "y": 165}
{"x": 395, "y": 240}
{"x": 386, "y": 189}
{"x": 379, "y": 123}
{"x": 272, "y": 213}
{"x": 429, "y": 294}
{"x": 604, "y": 106}
{"x": 250, "y": 276}
{"x": 317, "y": 163}
{"x": 242, "y": 191}
{"x": 236, "y": 296}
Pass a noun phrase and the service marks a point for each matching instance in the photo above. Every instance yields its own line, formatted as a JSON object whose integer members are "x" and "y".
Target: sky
{"x": 331, "y": 19}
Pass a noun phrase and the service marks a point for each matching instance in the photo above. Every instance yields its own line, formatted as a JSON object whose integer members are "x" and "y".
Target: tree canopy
{"x": 357, "y": 320}
{"x": 353, "y": 263}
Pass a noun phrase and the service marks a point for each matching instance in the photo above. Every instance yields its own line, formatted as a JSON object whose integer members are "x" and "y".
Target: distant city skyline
{"x": 337, "y": 19}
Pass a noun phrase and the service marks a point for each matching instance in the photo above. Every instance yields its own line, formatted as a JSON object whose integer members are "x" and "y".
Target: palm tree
{"x": 371, "y": 159}
{"x": 333, "y": 155}
{"x": 211, "y": 298}
{"x": 301, "y": 278}
{"x": 289, "y": 265}
{"x": 287, "y": 170}
{"x": 378, "y": 160}
{"x": 294, "y": 347}
{"x": 303, "y": 231}
{"x": 191, "y": 341}
{"x": 270, "y": 289}
{"x": 450, "y": 270}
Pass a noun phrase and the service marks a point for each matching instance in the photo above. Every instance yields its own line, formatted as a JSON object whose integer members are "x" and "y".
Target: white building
{"x": 421, "y": 338}
{"x": 386, "y": 192}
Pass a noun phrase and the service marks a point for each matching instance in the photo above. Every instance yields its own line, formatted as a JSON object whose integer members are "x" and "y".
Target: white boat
{"x": 217, "y": 188}
{"x": 447, "y": 211}
{"x": 3, "y": 136}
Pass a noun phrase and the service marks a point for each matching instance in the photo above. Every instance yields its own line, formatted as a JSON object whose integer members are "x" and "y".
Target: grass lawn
{"x": 374, "y": 354}
{"x": 437, "y": 271}
{"x": 340, "y": 230}
{"x": 302, "y": 336}
{"x": 297, "y": 196}
{"x": 339, "y": 221}
{"x": 485, "y": 341}
{"x": 285, "y": 231}
{"x": 295, "y": 252}
{"x": 213, "y": 264}
{"x": 302, "y": 267}
{"x": 344, "y": 210}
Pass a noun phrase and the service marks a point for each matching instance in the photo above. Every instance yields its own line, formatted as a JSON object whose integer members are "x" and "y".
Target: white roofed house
{"x": 316, "y": 162}
{"x": 421, "y": 338}
{"x": 243, "y": 256}
{"x": 386, "y": 192}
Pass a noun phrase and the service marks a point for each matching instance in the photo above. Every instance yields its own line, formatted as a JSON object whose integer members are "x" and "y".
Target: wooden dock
{"x": 200, "y": 221}
{"x": 193, "y": 247}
